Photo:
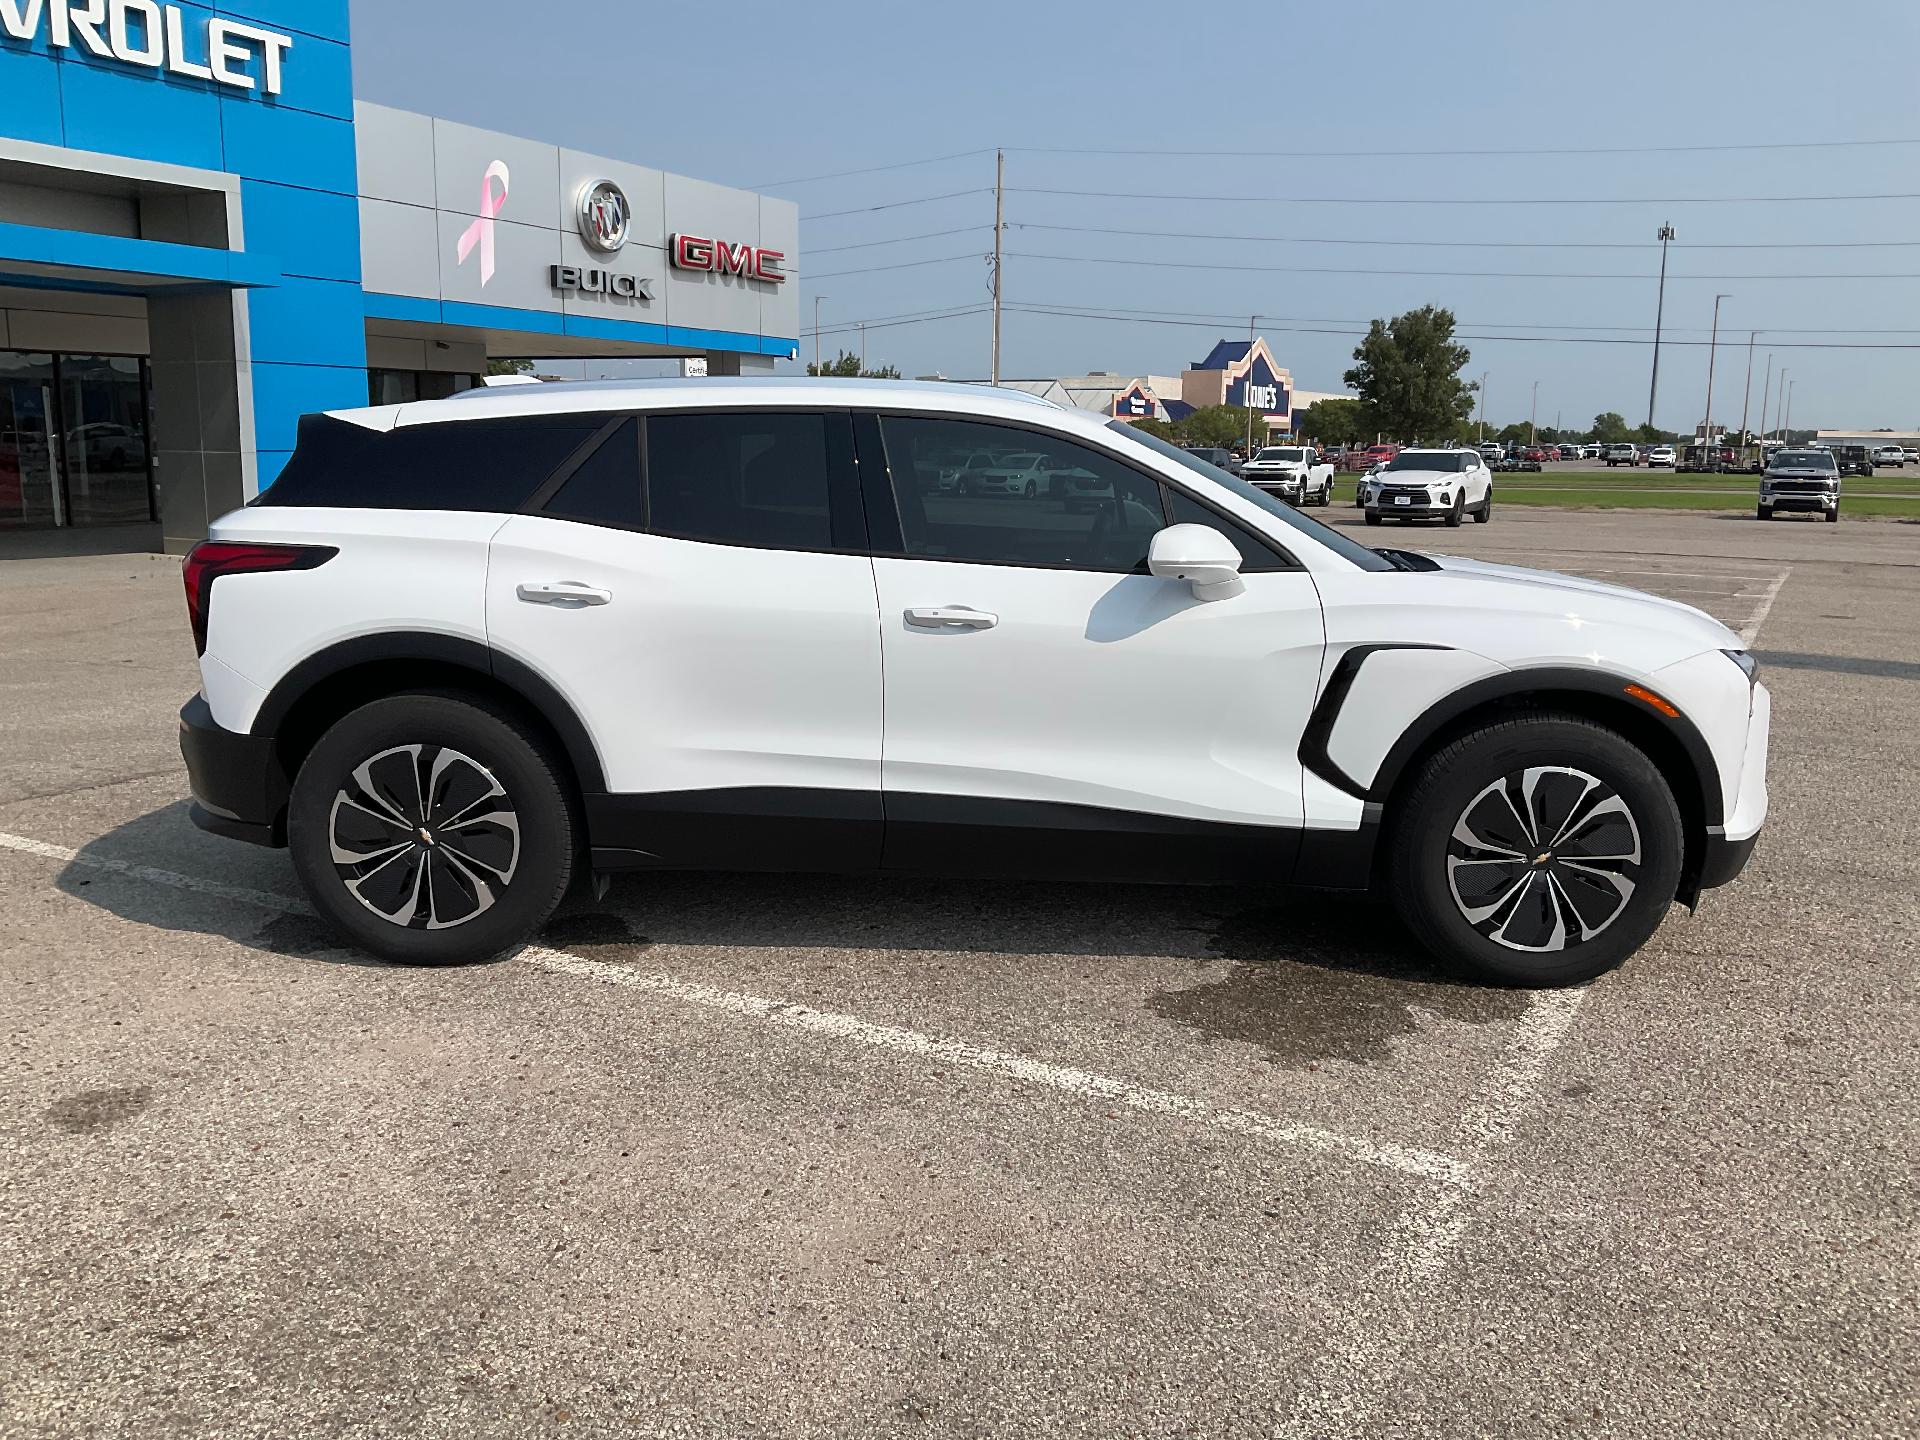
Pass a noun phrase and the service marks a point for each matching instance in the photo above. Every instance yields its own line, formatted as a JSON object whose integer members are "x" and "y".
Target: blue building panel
{"x": 316, "y": 76}
{"x": 314, "y": 234}
{"x": 313, "y": 321}
{"x": 119, "y": 110}
{"x": 296, "y": 147}
{"x": 30, "y": 97}
{"x": 283, "y": 393}
{"x": 326, "y": 19}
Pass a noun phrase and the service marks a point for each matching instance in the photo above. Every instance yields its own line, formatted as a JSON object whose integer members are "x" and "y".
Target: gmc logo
{"x": 756, "y": 262}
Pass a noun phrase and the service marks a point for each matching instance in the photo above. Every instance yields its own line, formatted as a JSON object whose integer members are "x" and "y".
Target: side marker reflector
{"x": 1647, "y": 697}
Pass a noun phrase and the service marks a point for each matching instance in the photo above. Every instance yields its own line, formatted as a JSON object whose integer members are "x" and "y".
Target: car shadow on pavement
{"x": 1306, "y": 976}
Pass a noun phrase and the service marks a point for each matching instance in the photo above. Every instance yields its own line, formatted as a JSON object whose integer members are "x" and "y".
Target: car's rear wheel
{"x": 432, "y": 829}
{"x": 1541, "y": 850}
{"x": 1484, "y": 515}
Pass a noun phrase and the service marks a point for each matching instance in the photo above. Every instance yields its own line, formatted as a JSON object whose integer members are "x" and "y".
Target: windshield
{"x": 1414, "y": 460}
{"x": 1276, "y": 509}
{"x": 1803, "y": 460}
{"x": 1280, "y": 453}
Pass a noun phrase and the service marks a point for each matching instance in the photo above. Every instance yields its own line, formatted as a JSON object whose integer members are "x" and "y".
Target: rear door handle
{"x": 951, "y": 617}
{"x": 570, "y": 594}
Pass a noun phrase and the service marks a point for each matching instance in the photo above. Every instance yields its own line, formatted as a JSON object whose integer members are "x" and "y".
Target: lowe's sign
{"x": 1261, "y": 388}
{"x": 153, "y": 35}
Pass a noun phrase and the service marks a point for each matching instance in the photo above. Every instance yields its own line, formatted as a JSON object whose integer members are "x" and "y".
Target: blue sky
{"x": 753, "y": 94}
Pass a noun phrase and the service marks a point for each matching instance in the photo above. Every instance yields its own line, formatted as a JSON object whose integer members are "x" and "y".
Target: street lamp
{"x": 816, "y": 331}
{"x": 1712, "y": 346}
{"x": 1533, "y": 410}
{"x": 1653, "y": 389}
{"x": 1483, "y": 403}
{"x": 1780, "y": 409}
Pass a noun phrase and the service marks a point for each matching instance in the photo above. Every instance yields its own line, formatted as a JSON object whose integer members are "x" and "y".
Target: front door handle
{"x": 951, "y": 617}
{"x": 570, "y": 594}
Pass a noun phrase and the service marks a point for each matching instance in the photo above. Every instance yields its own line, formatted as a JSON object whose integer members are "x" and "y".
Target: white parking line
{"x": 1750, "y": 631}
{"x": 1424, "y": 1164}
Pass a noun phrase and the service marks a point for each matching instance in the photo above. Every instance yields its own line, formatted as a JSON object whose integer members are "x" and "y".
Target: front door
{"x": 1054, "y": 710}
{"x": 29, "y": 484}
{"x": 719, "y": 640}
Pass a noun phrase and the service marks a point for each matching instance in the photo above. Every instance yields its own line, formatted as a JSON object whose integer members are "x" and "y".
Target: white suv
{"x": 1446, "y": 485}
{"x": 465, "y": 650}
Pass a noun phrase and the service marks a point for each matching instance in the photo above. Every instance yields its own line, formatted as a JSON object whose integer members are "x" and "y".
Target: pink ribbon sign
{"x": 480, "y": 232}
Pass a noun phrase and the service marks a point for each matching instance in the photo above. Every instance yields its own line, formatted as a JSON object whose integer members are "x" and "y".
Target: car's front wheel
{"x": 432, "y": 829}
{"x": 1540, "y": 850}
{"x": 1373, "y": 517}
{"x": 1765, "y": 512}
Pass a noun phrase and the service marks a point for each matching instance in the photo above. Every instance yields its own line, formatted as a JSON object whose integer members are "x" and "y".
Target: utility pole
{"x": 1533, "y": 410}
{"x": 1483, "y": 404}
{"x": 1712, "y": 344}
{"x": 816, "y": 332}
{"x": 1766, "y": 394}
{"x": 1653, "y": 389}
{"x": 999, "y": 225}
{"x": 1786, "y": 425}
{"x": 1780, "y": 409}
{"x": 1246, "y": 384}
{"x": 863, "y": 347}
{"x": 1746, "y": 395}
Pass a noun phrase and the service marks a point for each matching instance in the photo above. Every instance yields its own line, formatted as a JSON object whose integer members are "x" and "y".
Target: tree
{"x": 1331, "y": 422}
{"x": 846, "y": 366}
{"x": 1515, "y": 434}
{"x": 1162, "y": 429}
{"x": 1610, "y": 428}
{"x": 1222, "y": 425}
{"x": 509, "y": 367}
{"x": 1408, "y": 376}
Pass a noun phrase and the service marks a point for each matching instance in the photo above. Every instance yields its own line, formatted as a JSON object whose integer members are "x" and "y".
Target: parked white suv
{"x": 465, "y": 650}
{"x": 1444, "y": 485}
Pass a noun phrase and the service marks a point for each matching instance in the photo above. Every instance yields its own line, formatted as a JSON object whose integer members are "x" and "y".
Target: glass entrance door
{"x": 73, "y": 440}
{"x": 29, "y": 488}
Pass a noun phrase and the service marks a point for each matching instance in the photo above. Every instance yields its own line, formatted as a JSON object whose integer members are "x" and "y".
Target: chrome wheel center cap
{"x": 426, "y": 835}
{"x": 1542, "y": 858}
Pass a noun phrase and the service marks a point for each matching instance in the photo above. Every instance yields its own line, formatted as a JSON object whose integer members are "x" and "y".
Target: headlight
{"x": 1749, "y": 666}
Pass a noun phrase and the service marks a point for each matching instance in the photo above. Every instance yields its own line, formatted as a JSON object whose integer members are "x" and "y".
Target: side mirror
{"x": 1200, "y": 555}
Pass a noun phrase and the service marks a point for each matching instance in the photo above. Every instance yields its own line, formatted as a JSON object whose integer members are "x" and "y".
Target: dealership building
{"x": 203, "y": 235}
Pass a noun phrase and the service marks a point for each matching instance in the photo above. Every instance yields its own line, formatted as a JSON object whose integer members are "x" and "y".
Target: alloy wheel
{"x": 424, "y": 836}
{"x": 1544, "y": 858}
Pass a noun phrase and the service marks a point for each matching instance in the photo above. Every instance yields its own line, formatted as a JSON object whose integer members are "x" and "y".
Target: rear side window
{"x": 491, "y": 464}
{"x": 605, "y": 488}
{"x": 740, "y": 478}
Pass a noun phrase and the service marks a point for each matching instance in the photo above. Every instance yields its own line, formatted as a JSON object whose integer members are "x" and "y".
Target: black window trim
{"x": 877, "y": 487}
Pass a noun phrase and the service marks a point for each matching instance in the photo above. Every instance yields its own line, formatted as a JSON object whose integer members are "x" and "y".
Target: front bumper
{"x": 239, "y": 785}
{"x": 1800, "y": 499}
{"x": 1430, "y": 509}
{"x": 1287, "y": 487}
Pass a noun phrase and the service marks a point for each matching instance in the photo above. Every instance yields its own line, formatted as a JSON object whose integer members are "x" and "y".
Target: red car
{"x": 1538, "y": 452}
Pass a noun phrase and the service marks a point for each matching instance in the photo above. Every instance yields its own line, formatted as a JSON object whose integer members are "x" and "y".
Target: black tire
{"x": 1833, "y": 516}
{"x": 1486, "y": 768}
{"x": 1484, "y": 515}
{"x": 1459, "y": 511}
{"x": 1033, "y": 490}
{"x": 1373, "y": 517}
{"x": 1765, "y": 512}
{"x": 498, "y": 882}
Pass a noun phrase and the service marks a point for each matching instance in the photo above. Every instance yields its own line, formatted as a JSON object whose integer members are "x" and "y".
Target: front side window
{"x": 1040, "y": 501}
{"x": 740, "y": 478}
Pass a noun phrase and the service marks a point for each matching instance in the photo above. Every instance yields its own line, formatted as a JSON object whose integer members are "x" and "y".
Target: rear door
{"x": 716, "y": 630}
{"x": 1054, "y": 710}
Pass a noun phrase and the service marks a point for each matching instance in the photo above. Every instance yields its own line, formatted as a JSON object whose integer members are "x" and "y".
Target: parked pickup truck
{"x": 1295, "y": 473}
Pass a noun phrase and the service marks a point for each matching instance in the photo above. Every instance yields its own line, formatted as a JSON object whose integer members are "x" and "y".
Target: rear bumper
{"x": 239, "y": 786}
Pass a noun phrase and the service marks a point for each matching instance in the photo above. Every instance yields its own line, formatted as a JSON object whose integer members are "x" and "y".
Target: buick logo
{"x": 604, "y": 215}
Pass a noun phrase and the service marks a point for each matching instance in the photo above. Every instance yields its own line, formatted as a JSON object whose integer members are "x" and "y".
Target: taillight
{"x": 210, "y": 559}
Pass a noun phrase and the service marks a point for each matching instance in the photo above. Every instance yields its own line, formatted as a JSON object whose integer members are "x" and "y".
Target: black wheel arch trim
{"x": 1491, "y": 689}
{"x": 522, "y": 679}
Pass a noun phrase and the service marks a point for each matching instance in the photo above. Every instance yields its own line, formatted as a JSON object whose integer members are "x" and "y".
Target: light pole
{"x": 1533, "y": 410}
{"x": 816, "y": 331}
{"x": 1712, "y": 346}
{"x": 1766, "y": 394}
{"x": 1666, "y": 234}
{"x": 1483, "y": 404}
{"x": 1786, "y": 425}
{"x": 1780, "y": 409}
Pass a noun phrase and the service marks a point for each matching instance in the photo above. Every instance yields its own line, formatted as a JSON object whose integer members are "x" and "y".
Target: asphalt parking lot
{"x": 738, "y": 1156}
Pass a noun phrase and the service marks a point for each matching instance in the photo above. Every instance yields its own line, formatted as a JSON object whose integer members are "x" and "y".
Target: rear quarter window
{"x": 491, "y": 464}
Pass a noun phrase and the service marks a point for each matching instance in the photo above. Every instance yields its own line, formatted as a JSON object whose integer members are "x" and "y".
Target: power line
{"x": 1469, "y": 244}
{"x": 900, "y": 204}
{"x": 924, "y": 235}
{"x": 1510, "y": 324}
{"x": 916, "y": 317}
{"x": 901, "y": 265}
{"x": 1123, "y": 318}
{"x": 1530, "y": 201}
{"x": 1456, "y": 274}
{"x": 896, "y": 165}
{"x": 1444, "y": 154}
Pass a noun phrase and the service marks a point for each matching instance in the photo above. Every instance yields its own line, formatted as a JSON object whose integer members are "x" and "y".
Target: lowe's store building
{"x": 203, "y": 236}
